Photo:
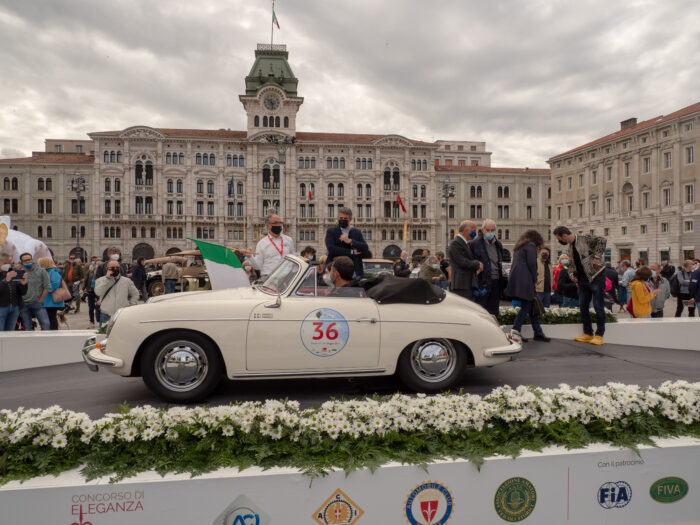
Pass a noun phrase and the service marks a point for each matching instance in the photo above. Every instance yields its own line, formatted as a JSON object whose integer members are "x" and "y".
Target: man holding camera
{"x": 115, "y": 291}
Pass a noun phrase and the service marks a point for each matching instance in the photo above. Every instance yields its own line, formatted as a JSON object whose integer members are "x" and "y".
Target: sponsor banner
{"x": 596, "y": 485}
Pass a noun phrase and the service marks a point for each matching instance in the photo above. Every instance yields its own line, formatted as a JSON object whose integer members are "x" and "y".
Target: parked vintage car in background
{"x": 376, "y": 267}
{"x": 193, "y": 276}
{"x": 291, "y": 326}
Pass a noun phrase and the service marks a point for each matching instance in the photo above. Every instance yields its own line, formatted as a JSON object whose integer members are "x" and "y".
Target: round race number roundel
{"x": 324, "y": 332}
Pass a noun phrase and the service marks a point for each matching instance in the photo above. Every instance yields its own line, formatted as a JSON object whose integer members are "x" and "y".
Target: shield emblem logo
{"x": 429, "y": 509}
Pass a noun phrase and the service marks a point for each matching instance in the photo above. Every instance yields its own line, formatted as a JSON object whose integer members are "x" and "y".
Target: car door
{"x": 309, "y": 331}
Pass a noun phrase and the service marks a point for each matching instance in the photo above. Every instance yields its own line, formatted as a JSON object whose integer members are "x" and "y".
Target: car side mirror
{"x": 276, "y": 304}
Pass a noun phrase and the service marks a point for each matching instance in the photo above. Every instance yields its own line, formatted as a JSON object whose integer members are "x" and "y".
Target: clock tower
{"x": 270, "y": 99}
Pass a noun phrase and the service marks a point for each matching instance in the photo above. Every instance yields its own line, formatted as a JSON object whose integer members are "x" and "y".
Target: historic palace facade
{"x": 636, "y": 187}
{"x": 149, "y": 189}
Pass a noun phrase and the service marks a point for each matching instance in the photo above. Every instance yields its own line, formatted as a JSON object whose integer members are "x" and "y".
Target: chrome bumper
{"x": 510, "y": 349}
{"x": 93, "y": 356}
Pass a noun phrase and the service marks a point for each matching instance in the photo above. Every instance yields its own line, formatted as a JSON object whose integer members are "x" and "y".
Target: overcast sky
{"x": 532, "y": 78}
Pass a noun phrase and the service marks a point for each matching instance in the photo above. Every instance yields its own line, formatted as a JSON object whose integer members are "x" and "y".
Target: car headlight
{"x": 112, "y": 320}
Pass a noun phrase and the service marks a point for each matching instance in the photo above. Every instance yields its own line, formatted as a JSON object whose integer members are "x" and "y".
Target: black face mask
{"x": 563, "y": 243}
{"x": 115, "y": 272}
{"x": 276, "y": 229}
{"x": 343, "y": 223}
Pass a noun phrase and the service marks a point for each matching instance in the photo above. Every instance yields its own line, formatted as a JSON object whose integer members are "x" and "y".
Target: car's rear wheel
{"x": 158, "y": 288}
{"x": 181, "y": 366}
{"x": 431, "y": 365}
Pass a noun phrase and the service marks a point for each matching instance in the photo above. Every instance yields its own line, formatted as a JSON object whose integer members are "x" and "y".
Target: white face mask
{"x": 114, "y": 257}
{"x": 327, "y": 279}
{"x": 5, "y": 267}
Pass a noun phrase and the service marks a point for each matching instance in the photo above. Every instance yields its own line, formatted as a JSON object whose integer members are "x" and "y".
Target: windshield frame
{"x": 287, "y": 260}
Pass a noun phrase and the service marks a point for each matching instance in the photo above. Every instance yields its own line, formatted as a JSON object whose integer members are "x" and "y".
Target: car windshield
{"x": 280, "y": 278}
{"x": 377, "y": 265}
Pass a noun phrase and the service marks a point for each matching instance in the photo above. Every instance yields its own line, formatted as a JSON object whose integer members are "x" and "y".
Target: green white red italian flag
{"x": 274, "y": 19}
{"x": 223, "y": 266}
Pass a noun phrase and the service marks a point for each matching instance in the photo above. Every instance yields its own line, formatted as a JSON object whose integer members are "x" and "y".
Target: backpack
{"x": 675, "y": 286}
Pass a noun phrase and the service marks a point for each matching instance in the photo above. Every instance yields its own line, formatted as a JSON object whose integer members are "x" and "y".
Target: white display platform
{"x": 680, "y": 333}
{"x": 599, "y": 484}
{"x": 19, "y": 350}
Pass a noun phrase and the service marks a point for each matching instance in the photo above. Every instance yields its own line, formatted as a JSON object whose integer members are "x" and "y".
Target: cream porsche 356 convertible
{"x": 292, "y": 325}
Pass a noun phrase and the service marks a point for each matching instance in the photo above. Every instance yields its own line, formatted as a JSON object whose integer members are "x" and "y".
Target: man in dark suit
{"x": 346, "y": 240}
{"x": 462, "y": 261}
{"x": 489, "y": 250}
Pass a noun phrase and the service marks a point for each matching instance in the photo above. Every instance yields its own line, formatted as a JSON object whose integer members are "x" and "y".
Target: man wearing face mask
{"x": 401, "y": 268}
{"x": 489, "y": 251}
{"x": 115, "y": 291}
{"x": 340, "y": 278}
{"x": 346, "y": 240}
{"x": 38, "y": 286}
{"x": 12, "y": 287}
{"x": 309, "y": 253}
{"x": 658, "y": 282}
{"x": 431, "y": 272}
{"x": 463, "y": 262}
{"x": 271, "y": 249}
{"x": 114, "y": 253}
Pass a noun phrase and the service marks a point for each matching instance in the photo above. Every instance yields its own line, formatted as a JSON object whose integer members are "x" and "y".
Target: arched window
{"x": 528, "y": 193}
{"x": 15, "y": 184}
{"x": 368, "y": 190}
{"x": 49, "y": 232}
{"x": 277, "y": 122}
{"x": 133, "y": 232}
{"x": 169, "y": 185}
{"x": 391, "y": 235}
{"x": 329, "y": 163}
{"x": 335, "y": 162}
{"x": 359, "y": 190}
{"x": 119, "y": 156}
{"x": 418, "y": 166}
{"x": 199, "y": 230}
{"x": 108, "y": 185}
{"x": 506, "y": 192}
{"x": 275, "y": 177}
{"x": 239, "y": 188}
{"x": 82, "y": 232}
{"x": 384, "y": 235}
{"x": 72, "y": 231}
{"x": 6, "y": 184}
{"x": 198, "y": 159}
{"x": 414, "y": 235}
{"x": 286, "y": 122}
{"x": 549, "y": 192}
{"x": 210, "y": 187}
{"x": 40, "y": 184}
{"x": 205, "y": 159}
{"x": 138, "y": 208}
{"x": 387, "y": 209}
{"x": 472, "y": 192}
{"x": 342, "y": 163}
{"x": 48, "y": 184}
{"x": 478, "y": 192}
{"x": 153, "y": 232}
{"x": 235, "y": 160}
{"x": 178, "y": 185}
{"x": 507, "y": 234}
{"x": 241, "y": 161}
{"x": 112, "y": 156}
{"x": 143, "y": 231}
{"x": 331, "y": 190}
{"x": 265, "y": 121}
{"x": 167, "y": 233}
{"x": 112, "y": 232}
{"x": 200, "y": 186}
{"x": 266, "y": 181}
{"x": 256, "y": 121}
{"x": 369, "y": 164}
{"x": 149, "y": 173}
{"x": 105, "y": 158}
{"x": 423, "y": 193}
{"x": 387, "y": 179}
{"x": 366, "y": 164}
{"x": 341, "y": 190}
{"x": 500, "y": 192}
{"x": 149, "y": 205}
{"x": 168, "y": 158}
{"x": 228, "y": 160}
{"x": 179, "y": 233}
{"x": 425, "y": 165}
{"x": 397, "y": 184}
{"x": 138, "y": 173}
{"x": 358, "y": 163}
{"x": 182, "y": 158}
{"x": 313, "y": 162}
{"x": 415, "y": 191}
{"x": 307, "y": 162}
{"x": 39, "y": 232}
{"x": 413, "y": 164}
{"x": 302, "y": 190}
{"x": 301, "y": 162}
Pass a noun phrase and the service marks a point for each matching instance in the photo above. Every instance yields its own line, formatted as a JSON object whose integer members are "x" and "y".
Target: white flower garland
{"x": 678, "y": 401}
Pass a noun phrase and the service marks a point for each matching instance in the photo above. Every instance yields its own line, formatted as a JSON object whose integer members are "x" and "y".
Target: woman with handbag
{"x": 522, "y": 282}
{"x": 641, "y": 293}
{"x": 58, "y": 292}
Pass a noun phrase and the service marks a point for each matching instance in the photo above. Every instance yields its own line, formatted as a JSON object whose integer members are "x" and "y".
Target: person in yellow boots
{"x": 641, "y": 294}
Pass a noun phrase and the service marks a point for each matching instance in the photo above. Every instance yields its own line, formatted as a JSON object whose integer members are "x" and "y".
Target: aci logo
{"x": 668, "y": 490}
{"x": 515, "y": 499}
{"x": 242, "y": 511}
{"x": 614, "y": 494}
{"x": 429, "y": 503}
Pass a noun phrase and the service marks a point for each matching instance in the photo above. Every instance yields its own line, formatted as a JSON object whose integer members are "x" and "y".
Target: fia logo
{"x": 614, "y": 494}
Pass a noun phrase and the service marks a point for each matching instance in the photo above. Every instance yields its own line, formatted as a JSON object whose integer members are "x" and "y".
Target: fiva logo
{"x": 614, "y": 494}
{"x": 668, "y": 490}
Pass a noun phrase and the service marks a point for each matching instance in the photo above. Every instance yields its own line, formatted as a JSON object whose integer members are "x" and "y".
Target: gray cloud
{"x": 531, "y": 78}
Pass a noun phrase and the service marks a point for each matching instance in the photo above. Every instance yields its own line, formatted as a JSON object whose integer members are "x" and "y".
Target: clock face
{"x": 271, "y": 102}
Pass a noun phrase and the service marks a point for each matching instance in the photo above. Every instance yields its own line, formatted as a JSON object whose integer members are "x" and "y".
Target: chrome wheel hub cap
{"x": 433, "y": 360}
{"x": 181, "y": 366}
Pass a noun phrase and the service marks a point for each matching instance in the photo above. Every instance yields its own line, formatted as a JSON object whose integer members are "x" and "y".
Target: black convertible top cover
{"x": 387, "y": 289}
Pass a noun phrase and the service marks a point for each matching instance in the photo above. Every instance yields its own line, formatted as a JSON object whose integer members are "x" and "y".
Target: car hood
{"x": 210, "y": 295}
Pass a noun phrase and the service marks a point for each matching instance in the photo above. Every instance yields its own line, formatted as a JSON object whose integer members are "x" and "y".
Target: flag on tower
{"x": 274, "y": 18}
{"x": 311, "y": 197}
{"x": 400, "y": 203}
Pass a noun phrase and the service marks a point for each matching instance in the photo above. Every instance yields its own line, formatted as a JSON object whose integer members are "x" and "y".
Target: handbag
{"x": 61, "y": 294}
{"x": 537, "y": 306}
{"x": 630, "y": 307}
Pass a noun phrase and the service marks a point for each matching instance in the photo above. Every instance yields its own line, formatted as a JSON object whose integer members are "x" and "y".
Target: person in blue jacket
{"x": 55, "y": 278}
{"x": 346, "y": 240}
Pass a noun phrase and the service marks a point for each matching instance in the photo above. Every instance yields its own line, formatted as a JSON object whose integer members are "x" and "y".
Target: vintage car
{"x": 193, "y": 275}
{"x": 375, "y": 267}
{"x": 291, "y": 326}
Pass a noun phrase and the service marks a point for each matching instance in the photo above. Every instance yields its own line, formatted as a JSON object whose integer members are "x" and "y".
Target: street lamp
{"x": 448, "y": 190}
{"x": 282, "y": 142}
{"x": 78, "y": 184}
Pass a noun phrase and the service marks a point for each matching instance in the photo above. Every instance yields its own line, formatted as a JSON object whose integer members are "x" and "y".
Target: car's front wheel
{"x": 181, "y": 366}
{"x": 431, "y": 365}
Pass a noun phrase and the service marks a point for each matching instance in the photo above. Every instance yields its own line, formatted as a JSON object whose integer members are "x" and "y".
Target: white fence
{"x": 600, "y": 484}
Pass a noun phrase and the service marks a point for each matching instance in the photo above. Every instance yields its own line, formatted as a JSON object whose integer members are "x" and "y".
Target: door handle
{"x": 367, "y": 320}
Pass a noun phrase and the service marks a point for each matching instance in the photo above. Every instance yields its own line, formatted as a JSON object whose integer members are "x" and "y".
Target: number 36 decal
{"x": 324, "y": 332}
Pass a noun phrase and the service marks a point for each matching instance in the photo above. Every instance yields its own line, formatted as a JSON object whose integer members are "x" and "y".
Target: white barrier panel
{"x": 600, "y": 484}
{"x": 680, "y": 333}
{"x": 19, "y": 350}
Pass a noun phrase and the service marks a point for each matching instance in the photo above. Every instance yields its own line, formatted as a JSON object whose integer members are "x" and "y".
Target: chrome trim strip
{"x": 259, "y": 375}
{"x": 511, "y": 349}
{"x": 189, "y": 320}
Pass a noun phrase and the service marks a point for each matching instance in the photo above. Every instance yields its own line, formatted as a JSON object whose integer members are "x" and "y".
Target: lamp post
{"x": 448, "y": 190}
{"x": 282, "y": 142}
{"x": 78, "y": 184}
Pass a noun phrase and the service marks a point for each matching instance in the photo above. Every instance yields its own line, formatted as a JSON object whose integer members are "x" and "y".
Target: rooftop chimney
{"x": 629, "y": 123}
